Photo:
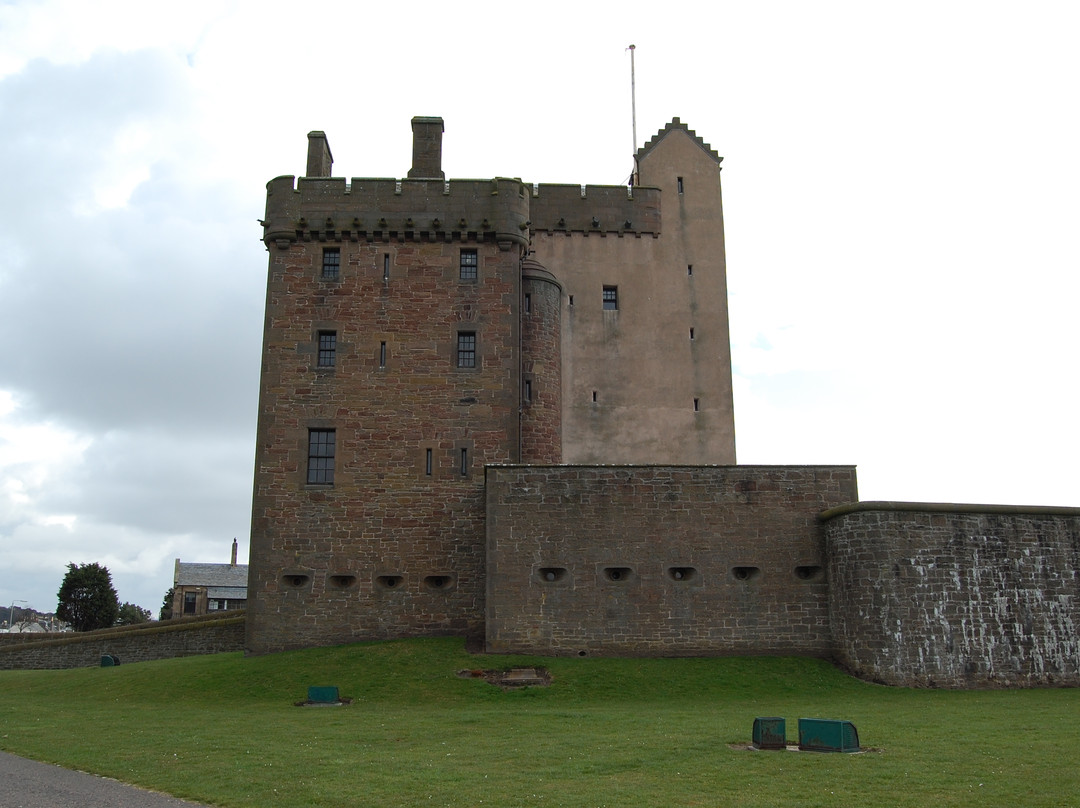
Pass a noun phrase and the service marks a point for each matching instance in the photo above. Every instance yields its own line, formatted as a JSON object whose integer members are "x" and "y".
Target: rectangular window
{"x": 691, "y": 333}
{"x": 528, "y": 389}
{"x": 382, "y": 354}
{"x": 611, "y": 298}
{"x": 327, "y": 348}
{"x": 464, "y": 462}
{"x": 331, "y": 263}
{"x": 189, "y": 603}
{"x": 321, "y": 446}
{"x": 689, "y": 269}
{"x": 466, "y": 349}
{"x": 680, "y": 184}
{"x": 386, "y": 268}
{"x": 427, "y": 462}
{"x": 528, "y": 303}
{"x": 469, "y": 263}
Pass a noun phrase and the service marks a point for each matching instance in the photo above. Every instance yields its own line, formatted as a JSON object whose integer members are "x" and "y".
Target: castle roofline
{"x": 677, "y": 125}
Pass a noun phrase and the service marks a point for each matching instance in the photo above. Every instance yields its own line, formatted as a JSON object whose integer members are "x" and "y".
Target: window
{"x": 386, "y": 268}
{"x": 327, "y": 348}
{"x": 427, "y": 462}
{"x": 528, "y": 303}
{"x": 611, "y": 298}
{"x": 469, "y": 263}
{"x": 321, "y": 443}
{"x": 331, "y": 263}
{"x": 189, "y": 603}
{"x": 382, "y": 354}
{"x": 466, "y": 349}
{"x": 679, "y": 180}
{"x": 464, "y": 462}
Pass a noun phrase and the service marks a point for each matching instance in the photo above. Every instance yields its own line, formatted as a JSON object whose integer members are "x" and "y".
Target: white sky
{"x": 900, "y": 186}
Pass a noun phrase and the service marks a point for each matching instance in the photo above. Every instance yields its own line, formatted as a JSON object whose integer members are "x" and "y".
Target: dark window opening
{"x": 466, "y": 349}
{"x": 321, "y": 446}
{"x": 691, "y": 333}
{"x": 386, "y": 267}
{"x": 189, "y": 603}
{"x": 464, "y": 462}
{"x": 468, "y": 265}
{"x": 611, "y": 298}
{"x": 331, "y": 263}
{"x": 697, "y": 405}
{"x": 571, "y": 300}
{"x": 528, "y": 303}
{"x": 528, "y": 389}
{"x": 327, "y": 348}
{"x": 689, "y": 269}
{"x": 382, "y": 354}
{"x": 427, "y": 462}
{"x": 679, "y": 181}
{"x": 594, "y": 396}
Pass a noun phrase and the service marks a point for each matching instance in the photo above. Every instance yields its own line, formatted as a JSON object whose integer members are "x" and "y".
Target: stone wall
{"x": 165, "y": 640}
{"x": 659, "y": 560}
{"x": 955, "y": 596}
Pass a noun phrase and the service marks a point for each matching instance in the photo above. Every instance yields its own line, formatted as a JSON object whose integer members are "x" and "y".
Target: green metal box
{"x": 826, "y": 735}
{"x": 770, "y": 733}
{"x": 323, "y": 695}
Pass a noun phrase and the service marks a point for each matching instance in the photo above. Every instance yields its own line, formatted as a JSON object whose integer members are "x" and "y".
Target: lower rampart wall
{"x": 659, "y": 560}
{"x": 164, "y": 640}
{"x": 958, "y": 596}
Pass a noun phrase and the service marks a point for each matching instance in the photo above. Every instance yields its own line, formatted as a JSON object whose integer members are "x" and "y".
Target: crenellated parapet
{"x": 601, "y": 209}
{"x": 375, "y": 210}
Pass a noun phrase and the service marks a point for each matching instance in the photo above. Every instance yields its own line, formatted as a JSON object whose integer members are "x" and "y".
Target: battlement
{"x": 381, "y": 209}
{"x": 595, "y": 209}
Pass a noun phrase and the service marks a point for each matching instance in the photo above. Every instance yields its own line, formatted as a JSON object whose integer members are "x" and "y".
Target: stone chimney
{"x": 427, "y": 149}
{"x": 320, "y": 162}
{"x": 233, "y": 562}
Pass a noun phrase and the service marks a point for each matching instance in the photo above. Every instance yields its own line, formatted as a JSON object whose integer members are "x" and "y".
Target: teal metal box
{"x": 825, "y": 735}
{"x": 770, "y": 733}
{"x": 323, "y": 695}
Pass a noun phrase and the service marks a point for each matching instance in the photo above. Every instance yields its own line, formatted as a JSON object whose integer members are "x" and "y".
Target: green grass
{"x": 608, "y": 732}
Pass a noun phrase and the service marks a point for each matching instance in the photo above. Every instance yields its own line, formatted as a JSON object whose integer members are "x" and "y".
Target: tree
{"x": 131, "y": 615}
{"x": 87, "y": 599}
{"x": 166, "y": 605}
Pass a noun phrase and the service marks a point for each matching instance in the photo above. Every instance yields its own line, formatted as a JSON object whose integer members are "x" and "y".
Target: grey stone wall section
{"x": 928, "y": 595}
{"x": 165, "y": 640}
{"x": 651, "y": 523}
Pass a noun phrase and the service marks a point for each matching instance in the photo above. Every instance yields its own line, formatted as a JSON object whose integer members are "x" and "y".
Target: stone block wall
{"x": 659, "y": 560}
{"x": 164, "y": 640}
{"x": 932, "y": 595}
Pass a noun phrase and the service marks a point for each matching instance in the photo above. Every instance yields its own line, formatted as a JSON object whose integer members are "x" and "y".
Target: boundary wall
{"x": 186, "y": 636}
{"x": 659, "y": 560}
{"x": 962, "y": 596}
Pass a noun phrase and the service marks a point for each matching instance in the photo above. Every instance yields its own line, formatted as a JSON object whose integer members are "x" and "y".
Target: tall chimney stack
{"x": 320, "y": 162}
{"x": 233, "y": 562}
{"x": 427, "y": 149}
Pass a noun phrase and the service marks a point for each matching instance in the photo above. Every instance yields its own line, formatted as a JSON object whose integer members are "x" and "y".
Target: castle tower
{"x": 646, "y": 352}
{"x": 391, "y": 377}
{"x": 419, "y": 330}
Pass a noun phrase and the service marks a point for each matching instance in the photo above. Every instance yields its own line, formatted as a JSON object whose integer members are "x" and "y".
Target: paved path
{"x": 29, "y": 784}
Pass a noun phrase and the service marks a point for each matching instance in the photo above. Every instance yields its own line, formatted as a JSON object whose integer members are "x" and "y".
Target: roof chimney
{"x": 233, "y": 562}
{"x": 320, "y": 162}
{"x": 427, "y": 149}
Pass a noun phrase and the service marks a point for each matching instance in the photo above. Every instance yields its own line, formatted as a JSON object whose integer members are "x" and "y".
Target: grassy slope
{"x": 613, "y": 732}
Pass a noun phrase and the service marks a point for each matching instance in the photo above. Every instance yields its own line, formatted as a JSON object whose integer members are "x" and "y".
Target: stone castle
{"x": 503, "y": 410}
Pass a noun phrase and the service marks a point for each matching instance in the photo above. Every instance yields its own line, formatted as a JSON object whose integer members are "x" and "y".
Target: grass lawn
{"x": 608, "y": 732}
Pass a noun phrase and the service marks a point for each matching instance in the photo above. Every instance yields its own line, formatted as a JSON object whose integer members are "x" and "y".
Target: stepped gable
{"x": 671, "y": 127}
